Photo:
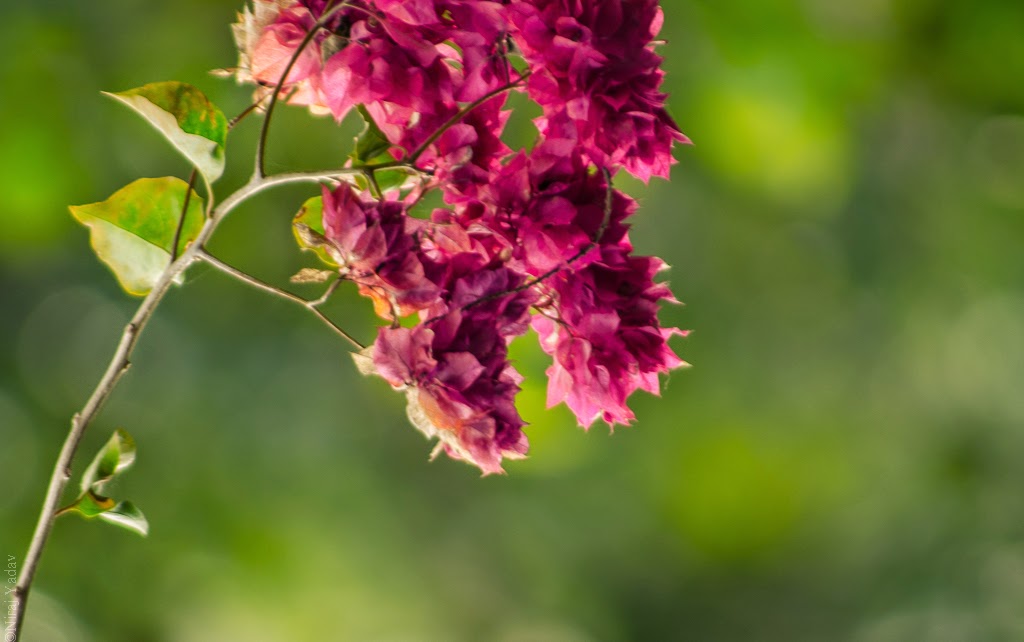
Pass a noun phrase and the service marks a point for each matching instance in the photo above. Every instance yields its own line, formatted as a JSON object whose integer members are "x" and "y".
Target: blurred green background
{"x": 842, "y": 463}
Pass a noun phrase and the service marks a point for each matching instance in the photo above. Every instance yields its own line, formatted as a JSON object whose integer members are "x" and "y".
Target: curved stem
{"x": 454, "y": 120}
{"x": 371, "y": 180}
{"x": 244, "y": 113}
{"x": 311, "y": 305}
{"x": 261, "y": 145}
{"x": 451, "y": 122}
{"x": 211, "y": 199}
{"x": 184, "y": 213}
{"x": 307, "y": 177}
{"x": 119, "y": 364}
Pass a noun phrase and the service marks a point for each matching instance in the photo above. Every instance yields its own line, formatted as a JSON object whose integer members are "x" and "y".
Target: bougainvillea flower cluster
{"x": 527, "y": 239}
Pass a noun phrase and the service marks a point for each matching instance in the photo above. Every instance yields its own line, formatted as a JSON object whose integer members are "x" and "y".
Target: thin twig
{"x": 311, "y": 305}
{"x": 121, "y": 360}
{"x": 245, "y": 112}
{"x": 184, "y": 213}
{"x": 308, "y": 177}
{"x": 457, "y": 118}
{"x": 410, "y": 160}
{"x": 371, "y": 181}
{"x": 261, "y": 144}
{"x": 331, "y": 289}
{"x": 119, "y": 364}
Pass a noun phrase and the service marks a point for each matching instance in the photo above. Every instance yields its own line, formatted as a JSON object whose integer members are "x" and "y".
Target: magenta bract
{"x": 534, "y": 238}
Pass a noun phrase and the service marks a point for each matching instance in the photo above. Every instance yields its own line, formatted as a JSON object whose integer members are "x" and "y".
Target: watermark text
{"x": 10, "y": 580}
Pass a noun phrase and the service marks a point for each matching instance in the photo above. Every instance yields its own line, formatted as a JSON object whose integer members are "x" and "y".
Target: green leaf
{"x": 308, "y": 226}
{"x": 90, "y": 504}
{"x": 124, "y": 514}
{"x": 371, "y": 145}
{"x": 128, "y": 516}
{"x": 182, "y": 113}
{"x": 389, "y": 179}
{"x": 518, "y": 62}
{"x": 133, "y": 230}
{"x": 116, "y": 456}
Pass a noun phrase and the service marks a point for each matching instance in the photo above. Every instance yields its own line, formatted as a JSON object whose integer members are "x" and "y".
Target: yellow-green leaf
{"x": 133, "y": 231}
{"x": 182, "y": 113}
{"x": 90, "y": 504}
{"x": 308, "y": 227}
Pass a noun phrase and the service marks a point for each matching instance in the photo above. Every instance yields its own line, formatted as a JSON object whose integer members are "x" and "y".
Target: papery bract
{"x": 460, "y": 385}
{"x": 375, "y": 245}
{"x": 602, "y": 329}
{"x": 541, "y": 231}
{"x": 593, "y": 65}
